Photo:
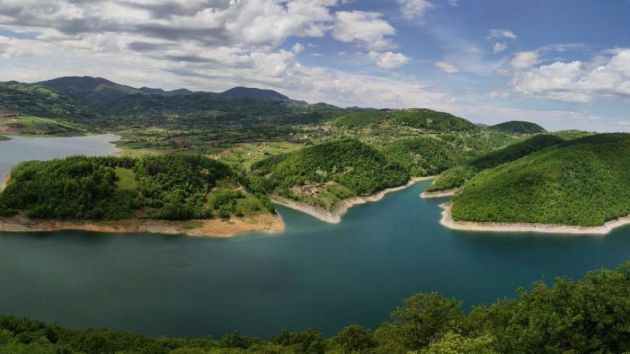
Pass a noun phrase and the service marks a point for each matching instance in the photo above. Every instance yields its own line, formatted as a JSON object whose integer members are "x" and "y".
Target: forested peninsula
{"x": 576, "y": 186}
{"x": 172, "y": 194}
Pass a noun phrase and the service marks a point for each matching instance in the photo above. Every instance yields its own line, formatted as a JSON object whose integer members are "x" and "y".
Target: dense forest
{"x": 172, "y": 187}
{"x": 518, "y": 127}
{"x": 458, "y": 175}
{"x": 586, "y": 316}
{"x": 423, "y": 156}
{"x": 583, "y": 182}
{"x": 424, "y": 119}
{"x": 323, "y": 174}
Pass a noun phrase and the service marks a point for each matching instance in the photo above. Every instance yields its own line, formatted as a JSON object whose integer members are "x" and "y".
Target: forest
{"x": 170, "y": 187}
{"x": 326, "y": 173}
{"x": 581, "y": 182}
{"x": 586, "y": 316}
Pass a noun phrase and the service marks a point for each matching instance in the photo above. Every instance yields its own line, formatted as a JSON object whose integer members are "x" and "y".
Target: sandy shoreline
{"x": 440, "y": 194}
{"x": 334, "y": 216}
{"x": 199, "y": 228}
{"x": 447, "y": 221}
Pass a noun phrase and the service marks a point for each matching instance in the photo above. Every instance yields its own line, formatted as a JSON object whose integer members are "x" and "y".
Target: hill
{"x": 458, "y": 175}
{"x": 422, "y": 119}
{"x": 168, "y": 187}
{"x": 255, "y": 93}
{"x": 324, "y": 174}
{"x": 518, "y": 127}
{"x": 423, "y": 155}
{"x": 583, "y": 182}
{"x": 89, "y": 90}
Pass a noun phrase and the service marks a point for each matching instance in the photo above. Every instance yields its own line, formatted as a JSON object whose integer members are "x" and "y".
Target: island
{"x": 168, "y": 194}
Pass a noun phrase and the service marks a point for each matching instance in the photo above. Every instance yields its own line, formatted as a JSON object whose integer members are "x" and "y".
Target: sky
{"x": 564, "y": 64}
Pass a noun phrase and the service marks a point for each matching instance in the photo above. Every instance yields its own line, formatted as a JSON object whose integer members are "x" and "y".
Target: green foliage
{"x": 173, "y": 187}
{"x": 558, "y": 185}
{"x": 346, "y": 167}
{"x": 518, "y": 127}
{"x": 423, "y": 156}
{"x": 425, "y": 119}
{"x": 457, "y": 176}
{"x": 587, "y": 316}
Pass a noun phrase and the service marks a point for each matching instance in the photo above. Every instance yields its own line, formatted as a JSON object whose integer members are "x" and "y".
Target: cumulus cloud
{"x": 366, "y": 28}
{"x": 499, "y": 47}
{"x": 578, "y": 81}
{"x": 389, "y": 60}
{"x": 446, "y": 67}
{"x": 524, "y": 60}
{"x": 416, "y": 9}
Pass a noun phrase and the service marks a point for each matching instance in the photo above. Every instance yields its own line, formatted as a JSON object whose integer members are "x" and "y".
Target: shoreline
{"x": 5, "y": 181}
{"x": 335, "y": 216}
{"x": 448, "y": 222}
{"x": 440, "y": 194}
{"x": 217, "y": 228}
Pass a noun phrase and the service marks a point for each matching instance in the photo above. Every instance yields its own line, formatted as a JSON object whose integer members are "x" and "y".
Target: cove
{"x": 314, "y": 275}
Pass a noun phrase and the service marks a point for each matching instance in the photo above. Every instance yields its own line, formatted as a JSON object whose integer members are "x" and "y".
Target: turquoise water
{"x": 312, "y": 275}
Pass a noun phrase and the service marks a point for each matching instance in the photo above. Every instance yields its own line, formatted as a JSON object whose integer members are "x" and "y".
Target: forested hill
{"x": 170, "y": 187}
{"x": 583, "y": 182}
{"x": 327, "y": 173}
{"x": 423, "y": 119}
{"x": 518, "y": 127}
{"x": 457, "y": 175}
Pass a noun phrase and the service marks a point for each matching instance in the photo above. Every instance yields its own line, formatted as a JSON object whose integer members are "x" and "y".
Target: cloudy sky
{"x": 563, "y": 63}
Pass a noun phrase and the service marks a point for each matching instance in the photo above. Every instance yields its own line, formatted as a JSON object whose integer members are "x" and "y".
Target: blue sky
{"x": 564, "y": 64}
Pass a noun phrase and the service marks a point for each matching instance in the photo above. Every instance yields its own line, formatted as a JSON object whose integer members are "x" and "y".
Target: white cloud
{"x": 389, "y": 60}
{"x": 415, "y": 9}
{"x": 501, "y": 34}
{"x": 446, "y": 67}
{"x": 499, "y": 47}
{"x": 500, "y": 38}
{"x": 607, "y": 75}
{"x": 453, "y": 3}
{"x": 297, "y": 48}
{"x": 366, "y": 28}
{"x": 524, "y": 60}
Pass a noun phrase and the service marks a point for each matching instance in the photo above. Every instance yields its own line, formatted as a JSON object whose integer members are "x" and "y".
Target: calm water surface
{"x": 313, "y": 275}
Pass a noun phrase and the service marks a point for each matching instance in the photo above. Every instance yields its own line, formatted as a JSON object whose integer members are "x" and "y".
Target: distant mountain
{"x": 418, "y": 118}
{"x": 160, "y": 92}
{"x": 518, "y": 127}
{"x": 89, "y": 90}
{"x": 254, "y": 93}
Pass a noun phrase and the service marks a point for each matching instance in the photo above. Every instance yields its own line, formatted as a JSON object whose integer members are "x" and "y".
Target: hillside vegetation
{"x": 518, "y": 127}
{"x": 583, "y": 182}
{"x": 171, "y": 187}
{"x": 423, "y": 155}
{"x": 458, "y": 175}
{"x": 324, "y": 174}
{"x": 422, "y": 119}
{"x": 587, "y": 316}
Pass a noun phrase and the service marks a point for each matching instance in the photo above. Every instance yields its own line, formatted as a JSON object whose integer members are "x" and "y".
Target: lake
{"x": 314, "y": 275}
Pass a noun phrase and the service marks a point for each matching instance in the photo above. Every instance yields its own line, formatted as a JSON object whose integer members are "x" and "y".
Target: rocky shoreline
{"x": 448, "y": 221}
{"x": 199, "y": 228}
{"x": 440, "y": 194}
{"x": 335, "y": 216}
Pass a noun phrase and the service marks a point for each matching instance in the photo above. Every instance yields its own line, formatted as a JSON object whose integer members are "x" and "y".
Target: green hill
{"x": 324, "y": 174}
{"x": 172, "y": 187}
{"x": 518, "y": 127}
{"x": 255, "y": 93}
{"x": 422, "y": 119}
{"x": 37, "y": 100}
{"x": 583, "y": 182}
{"x": 423, "y": 155}
{"x": 89, "y": 90}
{"x": 456, "y": 176}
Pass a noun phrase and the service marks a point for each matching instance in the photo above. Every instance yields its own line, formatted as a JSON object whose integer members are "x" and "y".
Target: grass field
{"x": 126, "y": 179}
{"x": 248, "y": 153}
